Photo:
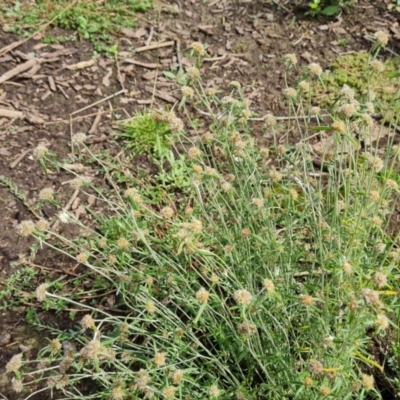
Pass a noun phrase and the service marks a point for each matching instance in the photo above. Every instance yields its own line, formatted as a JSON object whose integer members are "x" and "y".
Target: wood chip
{"x": 141, "y": 64}
{"x": 155, "y": 46}
{"x": 81, "y": 65}
{"x": 52, "y": 84}
{"x": 17, "y": 70}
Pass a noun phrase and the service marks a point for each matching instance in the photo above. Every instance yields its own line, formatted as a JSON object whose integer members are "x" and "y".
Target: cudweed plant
{"x": 261, "y": 282}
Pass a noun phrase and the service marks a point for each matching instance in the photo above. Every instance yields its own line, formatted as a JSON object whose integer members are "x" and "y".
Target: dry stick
{"x": 96, "y": 122}
{"x": 66, "y": 208}
{"x": 141, "y": 64}
{"x": 19, "y": 158}
{"x": 149, "y": 39}
{"x": 99, "y": 101}
{"x": 11, "y": 113}
{"x": 18, "y": 69}
{"x": 12, "y": 46}
{"x": 155, "y": 46}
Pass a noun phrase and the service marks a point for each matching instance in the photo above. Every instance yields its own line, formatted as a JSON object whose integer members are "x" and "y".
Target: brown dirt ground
{"x": 245, "y": 42}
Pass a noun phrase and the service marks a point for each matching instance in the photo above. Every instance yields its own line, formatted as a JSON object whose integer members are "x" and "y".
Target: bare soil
{"x": 245, "y": 40}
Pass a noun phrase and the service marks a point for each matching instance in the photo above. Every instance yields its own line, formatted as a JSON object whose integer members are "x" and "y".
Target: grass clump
{"x": 92, "y": 20}
{"x": 266, "y": 279}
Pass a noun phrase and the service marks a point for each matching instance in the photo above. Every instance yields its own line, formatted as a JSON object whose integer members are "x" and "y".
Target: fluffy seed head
{"x": 370, "y": 296}
{"x": 177, "y": 377}
{"x": 169, "y": 392}
{"x": 123, "y": 243}
{"x": 117, "y": 393}
{"x": 46, "y": 194}
{"x": 193, "y": 73}
{"x": 41, "y": 292}
{"x": 257, "y": 202}
{"x": 367, "y": 119}
{"x": 26, "y": 228}
{"x": 87, "y": 322}
{"x": 315, "y": 367}
{"x": 390, "y": 183}
{"x": 55, "y": 346}
{"x": 211, "y": 91}
{"x": 40, "y": 151}
{"x": 16, "y": 385}
{"x": 91, "y": 350}
{"x": 167, "y": 212}
{"x": 187, "y": 91}
{"x": 150, "y": 307}
{"x": 381, "y": 38}
{"x": 76, "y": 183}
{"x": 290, "y": 92}
{"x": 79, "y": 138}
{"x": 348, "y": 92}
{"x": 159, "y": 359}
{"x": 42, "y": 225}
{"x": 291, "y": 59}
{"x": 368, "y": 381}
{"x": 304, "y": 86}
{"x": 308, "y": 382}
{"x": 374, "y": 196}
{"x": 339, "y": 126}
{"x": 324, "y": 390}
{"x": 315, "y": 69}
{"x": 382, "y": 321}
{"x": 194, "y": 152}
{"x": 307, "y": 300}
{"x": 243, "y": 297}
{"x": 315, "y": 110}
{"x": 247, "y": 329}
{"x": 82, "y": 258}
{"x": 348, "y": 110}
{"x": 370, "y": 107}
{"x": 196, "y": 226}
{"x": 377, "y": 66}
{"x": 269, "y": 285}
{"x": 214, "y": 391}
{"x": 198, "y": 48}
{"x": 270, "y": 121}
{"x": 202, "y": 295}
{"x": 380, "y": 280}
{"x": 15, "y": 363}
{"x": 64, "y": 217}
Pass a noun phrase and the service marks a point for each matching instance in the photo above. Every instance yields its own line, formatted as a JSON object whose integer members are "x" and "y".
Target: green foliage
{"x": 90, "y": 19}
{"x": 143, "y": 134}
{"x": 329, "y": 8}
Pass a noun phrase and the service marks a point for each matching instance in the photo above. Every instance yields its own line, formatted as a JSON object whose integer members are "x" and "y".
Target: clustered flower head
{"x": 377, "y": 66}
{"x": 79, "y": 138}
{"x": 339, "y": 126}
{"x": 41, "y": 292}
{"x": 290, "y": 92}
{"x": 243, "y": 297}
{"x": 382, "y": 38}
{"x": 87, "y": 322}
{"x": 187, "y": 91}
{"x": 247, "y": 329}
{"x": 198, "y": 48}
{"x": 202, "y": 295}
{"x": 16, "y": 385}
{"x": 167, "y": 212}
{"x": 159, "y": 359}
{"x": 348, "y": 110}
{"x": 15, "y": 363}
{"x": 193, "y": 73}
{"x": 291, "y": 59}
{"x": 26, "y": 228}
{"x": 40, "y": 151}
{"x": 348, "y": 92}
{"x": 315, "y": 69}
{"x": 46, "y": 194}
